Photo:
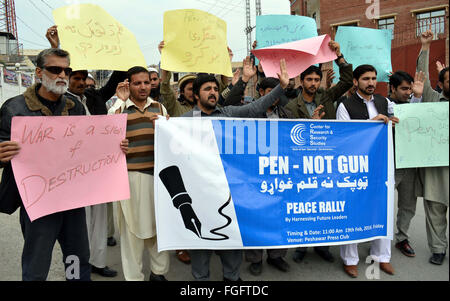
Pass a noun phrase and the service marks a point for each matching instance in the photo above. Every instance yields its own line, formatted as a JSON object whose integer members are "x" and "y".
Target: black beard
{"x": 446, "y": 93}
{"x": 207, "y": 105}
{"x": 182, "y": 98}
{"x": 291, "y": 93}
{"x": 154, "y": 93}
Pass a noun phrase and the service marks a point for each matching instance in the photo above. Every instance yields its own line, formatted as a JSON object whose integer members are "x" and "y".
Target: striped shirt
{"x": 141, "y": 134}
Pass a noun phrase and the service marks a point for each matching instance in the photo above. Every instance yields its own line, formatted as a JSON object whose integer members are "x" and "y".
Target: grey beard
{"x": 51, "y": 85}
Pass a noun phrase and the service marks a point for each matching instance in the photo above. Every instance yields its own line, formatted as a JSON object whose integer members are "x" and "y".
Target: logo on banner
{"x": 297, "y": 134}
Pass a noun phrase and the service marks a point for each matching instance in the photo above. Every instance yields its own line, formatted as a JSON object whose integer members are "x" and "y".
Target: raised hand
{"x": 123, "y": 90}
{"x": 236, "y": 76}
{"x": 52, "y": 36}
{"x": 426, "y": 38}
{"x": 230, "y": 53}
{"x": 330, "y": 77}
{"x": 161, "y": 46}
{"x": 417, "y": 86}
{"x": 439, "y": 66}
{"x": 248, "y": 69}
{"x": 283, "y": 76}
{"x": 335, "y": 47}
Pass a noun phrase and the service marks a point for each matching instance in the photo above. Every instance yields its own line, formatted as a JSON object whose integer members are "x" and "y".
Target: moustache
{"x": 212, "y": 97}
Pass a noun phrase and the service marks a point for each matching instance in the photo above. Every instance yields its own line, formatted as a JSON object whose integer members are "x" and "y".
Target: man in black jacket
{"x": 69, "y": 227}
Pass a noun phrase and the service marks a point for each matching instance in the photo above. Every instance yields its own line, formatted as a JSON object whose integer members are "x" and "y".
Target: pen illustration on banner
{"x": 172, "y": 180}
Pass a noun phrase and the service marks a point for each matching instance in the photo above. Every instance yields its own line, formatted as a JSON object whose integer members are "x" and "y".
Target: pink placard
{"x": 69, "y": 162}
{"x": 299, "y": 55}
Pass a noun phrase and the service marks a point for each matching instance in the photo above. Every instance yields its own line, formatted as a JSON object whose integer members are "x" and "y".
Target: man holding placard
{"x": 365, "y": 105}
{"x": 434, "y": 180}
{"x": 94, "y": 101}
{"x": 68, "y": 227}
{"x": 402, "y": 86}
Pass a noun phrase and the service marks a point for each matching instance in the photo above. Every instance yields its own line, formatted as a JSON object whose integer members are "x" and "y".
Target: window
{"x": 387, "y": 23}
{"x": 435, "y": 18}
{"x": 335, "y": 26}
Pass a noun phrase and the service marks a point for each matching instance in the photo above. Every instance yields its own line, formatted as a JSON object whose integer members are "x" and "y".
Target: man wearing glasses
{"x": 69, "y": 228}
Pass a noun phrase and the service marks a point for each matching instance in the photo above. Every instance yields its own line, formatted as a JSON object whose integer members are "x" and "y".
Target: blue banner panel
{"x": 306, "y": 182}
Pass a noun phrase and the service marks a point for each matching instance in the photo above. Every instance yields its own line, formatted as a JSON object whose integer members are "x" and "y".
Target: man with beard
{"x": 90, "y": 82}
{"x": 206, "y": 93}
{"x": 136, "y": 216}
{"x": 313, "y": 95}
{"x": 94, "y": 102}
{"x": 155, "y": 83}
{"x": 185, "y": 103}
{"x": 434, "y": 180}
{"x": 68, "y": 227}
{"x": 365, "y": 105}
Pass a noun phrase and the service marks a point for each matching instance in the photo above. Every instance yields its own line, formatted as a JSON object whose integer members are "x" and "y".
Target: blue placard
{"x": 362, "y": 46}
{"x": 279, "y": 29}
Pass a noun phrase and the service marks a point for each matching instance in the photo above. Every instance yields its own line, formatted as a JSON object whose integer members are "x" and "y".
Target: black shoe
{"x": 325, "y": 254}
{"x": 437, "y": 258}
{"x": 229, "y": 280}
{"x": 105, "y": 272}
{"x": 112, "y": 241}
{"x": 255, "y": 268}
{"x": 154, "y": 277}
{"x": 298, "y": 256}
{"x": 405, "y": 248}
{"x": 278, "y": 263}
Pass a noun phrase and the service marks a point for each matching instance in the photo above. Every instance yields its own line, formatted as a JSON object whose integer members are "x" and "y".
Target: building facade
{"x": 407, "y": 19}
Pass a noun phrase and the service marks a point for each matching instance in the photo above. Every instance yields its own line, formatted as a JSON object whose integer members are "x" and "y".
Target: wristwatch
{"x": 339, "y": 57}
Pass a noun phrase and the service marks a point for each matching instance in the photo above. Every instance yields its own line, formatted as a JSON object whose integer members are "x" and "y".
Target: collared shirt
{"x": 140, "y": 133}
{"x": 311, "y": 107}
{"x": 81, "y": 99}
{"x": 342, "y": 113}
{"x": 274, "y": 114}
{"x": 120, "y": 104}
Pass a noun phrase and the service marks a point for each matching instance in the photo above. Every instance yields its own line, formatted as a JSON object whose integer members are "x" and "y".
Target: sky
{"x": 145, "y": 19}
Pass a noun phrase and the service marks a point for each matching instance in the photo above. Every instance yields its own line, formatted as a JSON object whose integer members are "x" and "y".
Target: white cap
{"x": 150, "y": 69}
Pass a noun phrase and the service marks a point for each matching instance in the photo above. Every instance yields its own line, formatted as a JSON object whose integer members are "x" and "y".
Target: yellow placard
{"x": 195, "y": 41}
{"x": 95, "y": 40}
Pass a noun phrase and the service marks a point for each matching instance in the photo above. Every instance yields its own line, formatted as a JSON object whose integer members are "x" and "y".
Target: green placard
{"x": 421, "y": 137}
